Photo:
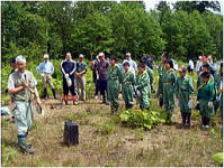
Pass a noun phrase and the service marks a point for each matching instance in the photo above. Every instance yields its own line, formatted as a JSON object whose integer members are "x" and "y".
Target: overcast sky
{"x": 150, "y": 4}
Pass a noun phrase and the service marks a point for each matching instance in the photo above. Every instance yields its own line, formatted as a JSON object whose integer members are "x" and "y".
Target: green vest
{"x": 25, "y": 94}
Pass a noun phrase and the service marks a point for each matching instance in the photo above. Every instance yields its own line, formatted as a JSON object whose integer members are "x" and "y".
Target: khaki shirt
{"x": 17, "y": 79}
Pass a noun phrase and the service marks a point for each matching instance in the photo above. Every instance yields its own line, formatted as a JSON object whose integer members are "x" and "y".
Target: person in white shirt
{"x": 46, "y": 69}
{"x": 190, "y": 66}
{"x": 199, "y": 65}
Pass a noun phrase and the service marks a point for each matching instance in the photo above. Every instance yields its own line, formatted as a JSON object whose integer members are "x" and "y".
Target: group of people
{"x": 209, "y": 89}
{"x": 111, "y": 77}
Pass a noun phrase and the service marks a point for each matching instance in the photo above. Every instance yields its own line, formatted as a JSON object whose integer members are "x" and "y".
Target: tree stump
{"x": 71, "y": 133}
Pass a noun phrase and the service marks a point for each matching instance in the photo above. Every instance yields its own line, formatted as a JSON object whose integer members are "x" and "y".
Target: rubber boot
{"x": 45, "y": 93}
{"x": 183, "y": 115}
{"x": 128, "y": 106}
{"x": 168, "y": 119}
{"x": 116, "y": 108}
{"x": 54, "y": 93}
{"x": 112, "y": 109}
{"x": 23, "y": 146}
{"x": 105, "y": 99}
{"x": 189, "y": 120}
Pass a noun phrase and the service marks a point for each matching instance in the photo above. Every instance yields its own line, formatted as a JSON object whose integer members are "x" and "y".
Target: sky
{"x": 151, "y": 4}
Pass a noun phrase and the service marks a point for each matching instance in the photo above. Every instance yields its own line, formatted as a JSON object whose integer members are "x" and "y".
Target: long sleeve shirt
{"x": 68, "y": 67}
{"x": 45, "y": 67}
{"x": 102, "y": 69}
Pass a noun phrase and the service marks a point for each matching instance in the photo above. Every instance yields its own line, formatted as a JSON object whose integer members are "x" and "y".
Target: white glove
{"x": 66, "y": 75}
{"x": 190, "y": 104}
{"x": 210, "y": 104}
{"x": 42, "y": 74}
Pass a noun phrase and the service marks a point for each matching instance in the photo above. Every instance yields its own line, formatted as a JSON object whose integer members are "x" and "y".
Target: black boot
{"x": 45, "y": 93}
{"x": 116, "y": 108}
{"x": 128, "y": 106}
{"x": 168, "y": 118}
{"x": 105, "y": 99}
{"x": 183, "y": 115}
{"x": 189, "y": 120}
{"x": 54, "y": 93}
{"x": 23, "y": 146}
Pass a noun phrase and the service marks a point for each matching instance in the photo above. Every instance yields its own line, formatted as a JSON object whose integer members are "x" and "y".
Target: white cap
{"x": 68, "y": 53}
{"x": 46, "y": 56}
{"x": 101, "y": 54}
{"x": 21, "y": 59}
{"x": 81, "y": 56}
{"x": 128, "y": 54}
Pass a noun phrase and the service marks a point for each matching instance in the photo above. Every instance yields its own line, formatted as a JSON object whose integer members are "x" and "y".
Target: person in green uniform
{"x": 219, "y": 89}
{"x": 169, "y": 81}
{"x": 113, "y": 84}
{"x": 161, "y": 72}
{"x": 205, "y": 68}
{"x": 184, "y": 87}
{"x": 128, "y": 81}
{"x": 22, "y": 87}
{"x": 150, "y": 74}
{"x": 205, "y": 97}
{"x": 142, "y": 87}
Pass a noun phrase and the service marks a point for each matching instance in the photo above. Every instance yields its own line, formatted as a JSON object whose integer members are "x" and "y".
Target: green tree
{"x": 200, "y": 6}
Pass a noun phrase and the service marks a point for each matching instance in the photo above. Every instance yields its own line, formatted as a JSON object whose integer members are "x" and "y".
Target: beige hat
{"x": 128, "y": 54}
{"x": 46, "y": 56}
{"x": 81, "y": 56}
{"x": 101, "y": 54}
{"x": 20, "y": 58}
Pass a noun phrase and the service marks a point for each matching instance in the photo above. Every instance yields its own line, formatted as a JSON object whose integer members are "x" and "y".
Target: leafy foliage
{"x": 200, "y": 6}
{"x": 34, "y": 28}
{"x": 218, "y": 158}
{"x": 139, "y": 118}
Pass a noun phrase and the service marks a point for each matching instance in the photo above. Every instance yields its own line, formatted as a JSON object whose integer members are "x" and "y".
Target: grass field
{"x": 104, "y": 141}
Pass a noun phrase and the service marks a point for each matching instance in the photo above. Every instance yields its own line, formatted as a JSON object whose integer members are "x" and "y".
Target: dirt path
{"x": 105, "y": 142}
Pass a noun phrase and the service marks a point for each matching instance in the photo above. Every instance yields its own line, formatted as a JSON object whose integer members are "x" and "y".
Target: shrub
{"x": 139, "y": 118}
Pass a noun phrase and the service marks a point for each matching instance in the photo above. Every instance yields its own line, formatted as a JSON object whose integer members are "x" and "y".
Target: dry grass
{"x": 105, "y": 142}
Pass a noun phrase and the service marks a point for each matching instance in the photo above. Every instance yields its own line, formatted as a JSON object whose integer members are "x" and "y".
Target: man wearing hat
{"x": 68, "y": 68}
{"x": 132, "y": 63}
{"x": 46, "y": 69}
{"x": 22, "y": 87}
{"x": 80, "y": 77}
{"x": 102, "y": 70}
{"x": 184, "y": 88}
